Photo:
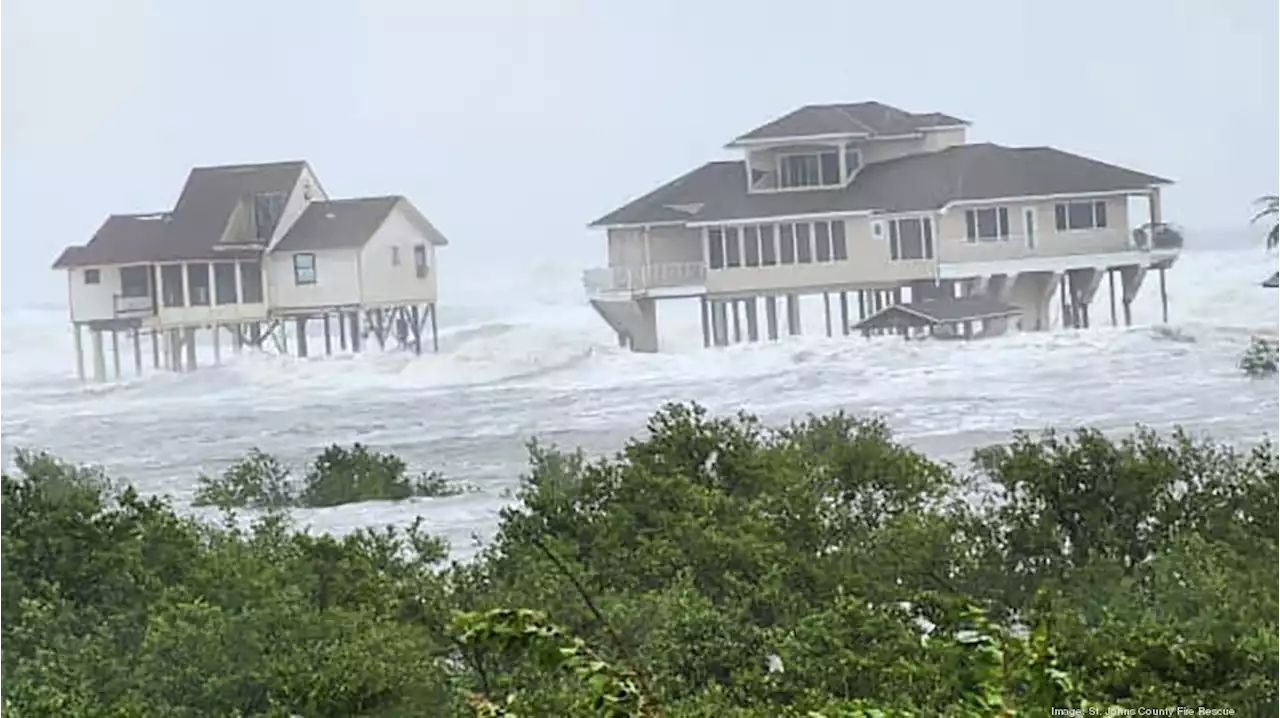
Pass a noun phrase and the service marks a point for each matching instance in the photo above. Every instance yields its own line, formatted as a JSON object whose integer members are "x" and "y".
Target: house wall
{"x": 668, "y": 244}
{"x": 953, "y": 244}
{"x": 941, "y": 139}
{"x": 298, "y": 202}
{"x": 385, "y": 282}
{"x": 93, "y": 302}
{"x": 868, "y": 265}
{"x": 337, "y": 280}
{"x": 881, "y": 150}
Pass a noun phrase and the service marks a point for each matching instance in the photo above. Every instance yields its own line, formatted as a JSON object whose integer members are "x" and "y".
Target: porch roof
{"x": 938, "y": 311}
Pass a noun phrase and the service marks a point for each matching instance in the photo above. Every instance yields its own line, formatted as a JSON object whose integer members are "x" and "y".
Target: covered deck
{"x": 938, "y": 317}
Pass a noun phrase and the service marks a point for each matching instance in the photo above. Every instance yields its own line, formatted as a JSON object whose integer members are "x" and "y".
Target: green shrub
{"x": 338, "y": 476}
{"x": 1261, "y": 359}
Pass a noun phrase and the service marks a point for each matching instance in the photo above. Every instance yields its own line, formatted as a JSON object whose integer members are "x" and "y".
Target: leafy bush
{"x": 338, "y": 476}
{"x": 715, "y": 567}
{"x": 1261, "y": 359}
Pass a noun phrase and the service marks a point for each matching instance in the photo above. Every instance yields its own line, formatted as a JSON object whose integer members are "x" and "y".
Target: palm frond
{"x": 1270, "y": 206}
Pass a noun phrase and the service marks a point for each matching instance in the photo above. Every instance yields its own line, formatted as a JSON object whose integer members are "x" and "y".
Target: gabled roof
{"x": 918, "y": 182}
{"x": 122, "y": 239}
{"x": 849, "y": 119}
{"x": 211, "y": 196}
{"x": 940, "y": 311}
{"x": 349, "y": 224}
{"x": 337, "y": 224}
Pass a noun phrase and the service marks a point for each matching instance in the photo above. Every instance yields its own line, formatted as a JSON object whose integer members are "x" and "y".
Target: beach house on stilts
{"x": 887, "y": 208}
{"x": 247, "y": 254}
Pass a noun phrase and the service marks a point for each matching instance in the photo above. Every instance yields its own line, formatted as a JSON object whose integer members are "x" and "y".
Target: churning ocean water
{"x": 533, "y": 360}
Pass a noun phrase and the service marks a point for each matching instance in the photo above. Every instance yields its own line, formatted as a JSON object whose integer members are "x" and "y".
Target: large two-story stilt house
{"x": 893, "y": 207}
{"x": 246, "y": 250}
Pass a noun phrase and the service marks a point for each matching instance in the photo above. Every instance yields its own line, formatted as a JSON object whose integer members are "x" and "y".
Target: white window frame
{"x": 1002, "y": 232}
{"x": 298, "y": 278}
{"x": 928, "y": 238}
{"x": 93, "y": 276}
{"x": 817, "y": 155}
{"x": 1093, "y": 215}
{"x": 421, "y": 260}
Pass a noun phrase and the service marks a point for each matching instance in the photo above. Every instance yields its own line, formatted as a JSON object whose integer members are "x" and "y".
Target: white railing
{"x": 133, "y": 305}
{"x": 640, "y": 278}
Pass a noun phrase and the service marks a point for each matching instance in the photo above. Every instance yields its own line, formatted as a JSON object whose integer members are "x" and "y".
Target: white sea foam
{"x": 534, "y": 359}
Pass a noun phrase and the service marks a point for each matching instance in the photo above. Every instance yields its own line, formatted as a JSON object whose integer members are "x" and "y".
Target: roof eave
{"x": 746, "y": 141}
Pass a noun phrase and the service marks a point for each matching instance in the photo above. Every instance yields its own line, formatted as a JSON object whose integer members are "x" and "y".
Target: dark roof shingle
{"x": 337, "y": 224}
{"x": 122, "y": 239}
{"x": 871, "y": 118}
{"x": 917, "y": 182}
{"x": 210, "y": 197}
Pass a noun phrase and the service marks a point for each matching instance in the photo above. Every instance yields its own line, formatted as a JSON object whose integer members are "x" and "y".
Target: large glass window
{"x": 987, "y": 225}
{"x": 198, "y": 284}
{"x": 1080, "y": 215}
{"x": 911, "y": 238}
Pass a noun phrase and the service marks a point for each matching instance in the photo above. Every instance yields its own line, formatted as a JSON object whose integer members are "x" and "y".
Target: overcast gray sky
{"x": 513, "y": 123}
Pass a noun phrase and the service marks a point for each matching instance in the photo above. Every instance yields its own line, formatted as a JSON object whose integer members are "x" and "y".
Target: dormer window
{"x": 852, "y": 161}
{"x": 809, "y": 169}
{"x": 817, "y": 169}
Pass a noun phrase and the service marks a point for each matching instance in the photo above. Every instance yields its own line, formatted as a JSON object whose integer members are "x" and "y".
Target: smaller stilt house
{"x": 940, "y": 317}
{"x": 246, "y": 253}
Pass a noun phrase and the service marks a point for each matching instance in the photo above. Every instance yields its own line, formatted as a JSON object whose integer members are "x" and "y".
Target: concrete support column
{"x": 99, "y": 359}
{"x": 328, "y": 337}
{"x": 645, "y": 338}
{"x": 155, "y": 349}
{"x": 1164, "y": 298}
{"x": 190, "y": 341}
{"x": 342, "y": 330}
{"x": 137, "y": 351}
{"x": 753, "y": 323}
{"x": 771, "y": 317}
{"x": 355, "y": 329}
{"x": 79, "y": 346}
{"x": 844, "y": 313}
{"x": 301, "y": 326}
{"x": 719, "y": 323}
{"x": 1131, "y": 278}
{"x": 793, "y": 314}
{"x": 704, "y": 309}
{"x": 217, "y": 344}
{"x": 1111, "y": 292}
{"x": 737, "y": 322}
{"x": 826, "y": 311}
{"x": 115, "y": 354}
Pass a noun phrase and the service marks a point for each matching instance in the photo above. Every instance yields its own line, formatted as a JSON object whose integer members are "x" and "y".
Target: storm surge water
{"x": 532, "y": 359}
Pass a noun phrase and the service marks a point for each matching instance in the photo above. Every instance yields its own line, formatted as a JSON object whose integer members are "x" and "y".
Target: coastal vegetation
{"x": 714, "y": 567}
{"x": 1269, "y": 210}
{"x": 337, "y": 476}
{"x": 1261, "y": 359}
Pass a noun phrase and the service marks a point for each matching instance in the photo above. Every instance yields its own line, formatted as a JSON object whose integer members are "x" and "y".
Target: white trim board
{"x": 1103, "y": 260}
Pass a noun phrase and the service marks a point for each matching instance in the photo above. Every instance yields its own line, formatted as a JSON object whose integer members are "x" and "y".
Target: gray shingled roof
{"x": 337, "y": 224}
{"x": 1273, "y": 281}
{"x": 919, "y": 182}
{"x": 940, "y": 311}
{"x": 871, "y": 118}
{"x": 122, "y": 239}
{"x": 208, "y": 199}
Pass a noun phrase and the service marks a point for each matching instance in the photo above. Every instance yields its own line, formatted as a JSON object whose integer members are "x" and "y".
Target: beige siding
{"x": 953, "y": 244}
{"x": 297, "y": 202}
{"x": 881, "y": 150}
{"x": 382, "y": 280}
{"x": 942, "y": 139}
{"x": 868, "y": 264}
{"x": 337, "y": 280}
{"x": 667, "y": 244}
{"x": 92, "y": 302}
